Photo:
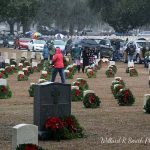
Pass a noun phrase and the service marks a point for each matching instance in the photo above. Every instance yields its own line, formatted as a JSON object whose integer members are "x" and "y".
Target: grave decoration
{"x": 68, "y": 74}
{"x": 26, "y": 63}
{"x": 20, "y": 66}
{"x": 125, "y": 97}
{"x": 63, "y": 128}
{"x": 14, "y": 68}
{"x": 31, "y": 89}
{"x": 114, "y": 68}
{"x": 26, "y": 72}
{"x": 116, "y": 88}
{"x": 5, "y": 91}
{"x": 91, "y": 73}
{"x": 72, "y": 69}
{"x": 109, "y": 73}
{"x": 83, "y": 85}
{"x": 21, "y": 76}
{"x": 146, "y": 106}
{"x": 28, "y": 147}
{"x": 35, "y": 67}
{"x": 130, "y": 65}
{"x": 133, "y": 72}
{"x": 45, "y": 75}
{"x": 90, "y": 100}
{"x": 76, "y": 93}
{"x": 30, "y": 69}
{"x": 3, "y": 73}
{"x": 9, "y": 70}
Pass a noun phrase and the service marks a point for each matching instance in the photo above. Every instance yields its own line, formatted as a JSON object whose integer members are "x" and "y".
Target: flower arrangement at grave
{"x": 147, "y": 106}
{"x": 110, "y": 73}
{"x": 21, "y": 76}
{"x": 90, "y": 100}
{"x": 83, "y": 85}
{"x": 36, "y": 69}
{"x": 91, "y": 73}
{"x": 133, "y": 72}
{"x": 116, "y": 88}
{"x": 68, "y": 74}
{"x": 125, "y": 97}
{"x": 14, "y": 68}
{"x": 72, "y": 69}
{"x": 127, "y": 69}
{"x": 63, "y": 128}
{"x": 114, "y": 68}
{"x": 26, "y": 63}
{"x": 28, "y": 147}
{"x": 8, "y": 70}
{"x": 88, "y": 67}
{"x": 119, "y": 79}
{"x": 45, "y": 75}
{"x": 76, "y": 93}
{"x": 5, "y": 92}
{"x": 20, "y": 66}
{"x": 26, "y": 72}
{"x": 66, "y": 62}
{"x": 31, "y": 89}
{"x": 3, "y": 73}
{"x": 30, "y": 69}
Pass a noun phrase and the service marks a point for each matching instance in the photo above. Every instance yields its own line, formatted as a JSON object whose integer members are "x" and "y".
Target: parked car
{"x": 106, "y": 48}
{"x": 61, "y": 44}
{"x": 141, "y": 47}
{"x": 36, "y": 45}
{"x": 8, "y": 41}
{"x": 21, "y": 43}
{"x": 1, "y": 40}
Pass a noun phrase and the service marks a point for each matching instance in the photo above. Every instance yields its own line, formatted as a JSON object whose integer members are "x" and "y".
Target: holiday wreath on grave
{"x": 9, "y": 70}
{"x": 83, "y": 85}
{"x": 90, "y": 100}
{"x": 133, "y": 72}
{"x": 127, "y": 69}
{"x": 31, "y": 89}
{"x": 63, "y": 128}
{"x": 28, "y": 147}
{"x": 5, "y": 92}
{"x": 147, "y": 106}
{"x": 76, "y": 93}
{"x": 110, "y": 73}
{"x": 125, "y": 97}
{"x": 22, "y": 77}
{"x": 114, "y": 68}
{"x": 91, "y": 73}
{"x": 3, "y": 73}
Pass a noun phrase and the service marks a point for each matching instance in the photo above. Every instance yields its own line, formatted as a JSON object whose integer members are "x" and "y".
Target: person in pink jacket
{"x": 58, "y": 66}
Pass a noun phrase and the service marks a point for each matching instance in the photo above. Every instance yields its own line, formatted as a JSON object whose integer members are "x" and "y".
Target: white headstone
{"x": 34, "y": 64}
{"x": 41, "y": 56}
{"x": 130, "y": 64}
{"x": 146, "y": 97}
{"x": 3, "y": 82}
{"x": 24, "y": 54}
{"x": 112, "y": 63}
{"x": 24, "y": 134}
{"x": 44, "y": 72}
{"x": 21, "y": 72}
{"x": 14, "y": 56}
{"x": 88, "y": 91}
{"x": 7, "y": 61}
{"x": 6, "y": 55}
{"x": 20, "y": 64}
{"x": 33, "y": 55}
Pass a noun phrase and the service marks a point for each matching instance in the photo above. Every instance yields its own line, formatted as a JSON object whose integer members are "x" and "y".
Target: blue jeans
{"x": 61, "y": 73}
{"x": 130, "y": 58}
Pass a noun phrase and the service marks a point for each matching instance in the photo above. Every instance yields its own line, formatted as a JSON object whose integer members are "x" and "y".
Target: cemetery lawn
{"x": 124, "y": 127}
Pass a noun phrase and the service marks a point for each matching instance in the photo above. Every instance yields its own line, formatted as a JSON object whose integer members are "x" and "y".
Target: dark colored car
{"x": 8, "y": 41}
{"x": 106, "y": 48}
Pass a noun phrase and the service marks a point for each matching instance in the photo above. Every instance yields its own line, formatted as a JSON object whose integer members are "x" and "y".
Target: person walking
{"x": 76, "y": 53}
{"x": 45, "y": 52}
{"x": 130, "y": 52}
{"x": 2, "y": 61}
{"x": 58, "y": 62}
{"x": 85, "y": 58}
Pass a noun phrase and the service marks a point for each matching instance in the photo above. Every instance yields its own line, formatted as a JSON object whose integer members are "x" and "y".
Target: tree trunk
{"x": 26, "y": 27}
{"x": 71, "y": 28}
{"x": 11, "y": 25}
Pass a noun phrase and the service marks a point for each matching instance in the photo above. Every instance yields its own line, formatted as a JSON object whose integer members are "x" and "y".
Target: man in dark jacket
{"x": 85, "y": 58}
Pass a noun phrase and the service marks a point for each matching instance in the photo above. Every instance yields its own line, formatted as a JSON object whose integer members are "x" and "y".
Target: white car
{"x": 61, "y": 44}
{"x": 140, "y": 46}
{"x": 36, "y": 45}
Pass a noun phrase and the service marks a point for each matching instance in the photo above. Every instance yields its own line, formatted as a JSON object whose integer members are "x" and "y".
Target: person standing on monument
{"x": 58, "y": 63}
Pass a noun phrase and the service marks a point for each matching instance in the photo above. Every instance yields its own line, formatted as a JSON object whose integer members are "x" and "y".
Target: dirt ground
{"x": 128, "y": 126}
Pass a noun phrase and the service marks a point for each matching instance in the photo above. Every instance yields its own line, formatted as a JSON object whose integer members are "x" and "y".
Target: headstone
{"x": 33, "y": 55}
{"x": 88, "y": 91}
{"x": 24, "y": 54}
{"x": 21, "y": 72}
{"x": 112, "y": 63}
{"x": 14, "y": 56}
{"x": 3, "y": 82}
{"x": 34, "y": 64}
{"x": 24, "y": 134}
{"x": 6, "y": 55}
{"x": 130, "y": 64}
{"x": 7, "y": 61}
{"x": 51, "y": 99}
{"x": 41, "y": 56}
{"x": 146, "y": 97}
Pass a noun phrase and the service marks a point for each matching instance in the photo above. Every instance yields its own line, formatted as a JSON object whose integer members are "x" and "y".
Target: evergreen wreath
{"x": 110, "y": 73}
{"x": 91, "y": 73}
{"x": 127, "y": 69}
{"x": 31, "y": 90}
{"x": 147, "y": 106}
{"x": 114, "y": 68}
{"x": 76, "y": 95}
{"x": 22, "y": 77}
{"x": 5, "y": 92}
{"x": 9, "y": 70}
{"x": 125, "y": 97}
{"x": 28, "y": 147}
{"x": 90, "y": 100}
{"x": 68, "y": 74}
{"x": 83, "y": 85}
{"x": 133, "y": 72}
{"x": 63, "y": 128}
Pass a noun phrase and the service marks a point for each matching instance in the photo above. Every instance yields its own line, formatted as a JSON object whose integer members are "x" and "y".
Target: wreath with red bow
{"x": 5, "y": 92}
{"x": 28, "y": 147}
